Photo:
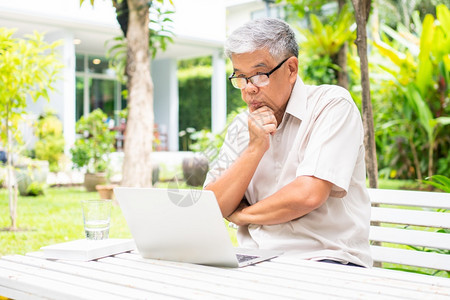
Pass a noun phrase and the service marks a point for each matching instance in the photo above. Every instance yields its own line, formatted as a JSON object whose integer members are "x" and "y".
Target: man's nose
{"x": 250, "y": 87}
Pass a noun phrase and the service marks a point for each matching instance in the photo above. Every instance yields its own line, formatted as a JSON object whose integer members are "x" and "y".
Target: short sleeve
{"x": 334, "y": 144}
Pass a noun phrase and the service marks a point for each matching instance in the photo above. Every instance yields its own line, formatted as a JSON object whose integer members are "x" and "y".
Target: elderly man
{"x": 291, "y": 171}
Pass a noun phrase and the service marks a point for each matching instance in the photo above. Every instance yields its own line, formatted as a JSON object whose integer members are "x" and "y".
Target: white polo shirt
{"x": 321, "y": 135}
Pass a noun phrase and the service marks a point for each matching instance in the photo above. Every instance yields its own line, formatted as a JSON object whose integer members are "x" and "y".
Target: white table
{"x": 127, "y": 276}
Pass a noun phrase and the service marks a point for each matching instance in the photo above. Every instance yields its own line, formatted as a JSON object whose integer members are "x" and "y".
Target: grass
{"x": 390, "y": 184}
{"x": 53, "y": 218}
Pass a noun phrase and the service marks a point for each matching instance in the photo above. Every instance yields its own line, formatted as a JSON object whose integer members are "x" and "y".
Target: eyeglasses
{"x": 259, "y": 80}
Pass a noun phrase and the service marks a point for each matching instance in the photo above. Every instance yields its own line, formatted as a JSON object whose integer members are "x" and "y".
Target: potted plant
{"x": 205, "y": 146}
{"x": 91, "y": 150}
{"x": 106, "y": 191}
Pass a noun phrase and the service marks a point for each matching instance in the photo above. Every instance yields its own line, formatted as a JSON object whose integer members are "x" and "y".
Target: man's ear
{"x": 293, "y": 68}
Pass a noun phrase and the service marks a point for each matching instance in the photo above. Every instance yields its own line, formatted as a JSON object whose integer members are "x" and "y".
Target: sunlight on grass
{"x": 53, "y": 218}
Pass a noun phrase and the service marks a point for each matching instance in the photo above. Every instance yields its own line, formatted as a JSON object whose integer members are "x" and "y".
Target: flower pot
{"x": 194, "y": 169}
{"x": 155, "y": 172}
{"x": 93, "y": 179}
{"x": 105, "y": 191}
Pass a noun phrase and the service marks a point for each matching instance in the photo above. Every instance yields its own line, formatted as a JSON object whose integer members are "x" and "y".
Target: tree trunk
{"x": 362, "y": 9}
{"x": 12, "y": 182}
{"x": 137, "y": 168}
{"x": 342, "y": 75}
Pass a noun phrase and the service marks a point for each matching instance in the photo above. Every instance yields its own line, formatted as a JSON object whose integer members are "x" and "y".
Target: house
{"x": 87, "y": 82}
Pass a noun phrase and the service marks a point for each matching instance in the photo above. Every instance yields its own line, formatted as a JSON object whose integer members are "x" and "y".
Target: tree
{"x": 362, "y": 12}
{"x": 323, "y": 43}
{"x": 28, "y": 68}
{"x": 133, "y": 17}
{"x": 342, "y": 75}
{"x": 302, "y": 8}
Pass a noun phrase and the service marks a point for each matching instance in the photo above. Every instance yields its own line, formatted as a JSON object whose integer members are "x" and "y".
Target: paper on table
{"x": 85, "y": 249}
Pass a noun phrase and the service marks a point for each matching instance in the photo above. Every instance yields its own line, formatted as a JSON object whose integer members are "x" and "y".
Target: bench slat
{"x": 410, "y": 257}
{"x": 410, "y": 237}
{"x": 410, "y": 217}
{"x": 410, "y": 198}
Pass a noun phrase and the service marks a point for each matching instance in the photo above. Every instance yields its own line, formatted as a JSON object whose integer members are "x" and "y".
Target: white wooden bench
{"x": 410, "y": 218}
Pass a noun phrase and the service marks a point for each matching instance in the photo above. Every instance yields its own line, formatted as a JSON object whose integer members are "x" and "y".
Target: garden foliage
{"x": 50, "y": 143}
{"x": 194, "y": 85}
{"x": 412, "y": 99}
{"x": 94, "y": 144}
{"x": 409, "y": 71}
{"x": 28, "y": 70}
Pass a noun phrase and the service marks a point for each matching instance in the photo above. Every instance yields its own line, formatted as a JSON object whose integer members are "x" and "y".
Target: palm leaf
{"x": 438, "y": 181}
{"x": 421, "y": 109}
{"x": 443, "y": 15}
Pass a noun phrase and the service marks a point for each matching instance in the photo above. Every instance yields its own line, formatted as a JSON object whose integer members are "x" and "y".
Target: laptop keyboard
{"x": 243, "y": 258}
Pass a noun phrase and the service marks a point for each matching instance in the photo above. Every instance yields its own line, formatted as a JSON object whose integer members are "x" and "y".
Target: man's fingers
{"x": 270, "y": 128}
{"x": 264, "y": 116}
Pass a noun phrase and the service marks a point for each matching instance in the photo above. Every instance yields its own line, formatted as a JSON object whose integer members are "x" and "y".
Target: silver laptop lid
{"x": 177, "y": 225}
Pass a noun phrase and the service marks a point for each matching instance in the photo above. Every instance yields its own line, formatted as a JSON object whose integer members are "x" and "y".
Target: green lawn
{"x": 53, "y": 218}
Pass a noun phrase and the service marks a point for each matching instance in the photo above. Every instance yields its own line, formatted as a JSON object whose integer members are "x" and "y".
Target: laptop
{"x": 183, "y": 226}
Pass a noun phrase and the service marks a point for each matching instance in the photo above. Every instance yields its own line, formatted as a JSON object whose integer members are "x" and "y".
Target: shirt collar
{"x": 297, "y": 102}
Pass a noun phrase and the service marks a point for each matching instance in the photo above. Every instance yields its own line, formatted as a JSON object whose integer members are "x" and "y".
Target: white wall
{"x": 102, "y": 12}
{"x": 239, "y": 12}
{"x": 204, "y": 19}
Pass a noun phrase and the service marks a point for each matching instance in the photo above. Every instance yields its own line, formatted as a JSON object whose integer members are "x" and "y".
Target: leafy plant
{"x": 28, "y": 68}
{"x": 210, "y": 143}
{"x": 327, "y": 39}
{"x": 95, "y": 143}
{"x": 415, "y": 70}
{"x": 206, "y": 142}
{"x": 321, "y": 43}
{"x": 439, "y": 181}
{"x": 35, "y": 189}
{"x": 194, "y": 85}
{"x": 50, "y": 144}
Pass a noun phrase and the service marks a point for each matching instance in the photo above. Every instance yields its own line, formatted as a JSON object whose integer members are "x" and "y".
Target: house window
{"x": 97, "y": 87}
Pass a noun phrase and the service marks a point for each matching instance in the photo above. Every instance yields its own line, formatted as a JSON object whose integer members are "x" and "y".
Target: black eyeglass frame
{"x": 248, "y": 78}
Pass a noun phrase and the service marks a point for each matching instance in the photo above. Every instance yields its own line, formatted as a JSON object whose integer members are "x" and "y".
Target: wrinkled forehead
{"x": 252, "y": 60}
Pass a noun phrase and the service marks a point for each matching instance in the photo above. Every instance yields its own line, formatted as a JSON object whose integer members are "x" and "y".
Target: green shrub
{"x": 209, "y": 143}
{"x": 95, "y": 143}
{"x": 50, "y": 145}
{"x": 194, "y": 85}
{"x": 438, "y": 181}
{"x": 35, "y": 189}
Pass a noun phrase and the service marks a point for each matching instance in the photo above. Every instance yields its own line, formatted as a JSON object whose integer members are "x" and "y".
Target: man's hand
{"x": 237, "y": 216}
{"x": 261, "y": 123}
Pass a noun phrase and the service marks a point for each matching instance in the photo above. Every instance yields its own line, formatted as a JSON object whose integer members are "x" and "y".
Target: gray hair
{"x": 272, "y": 34}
